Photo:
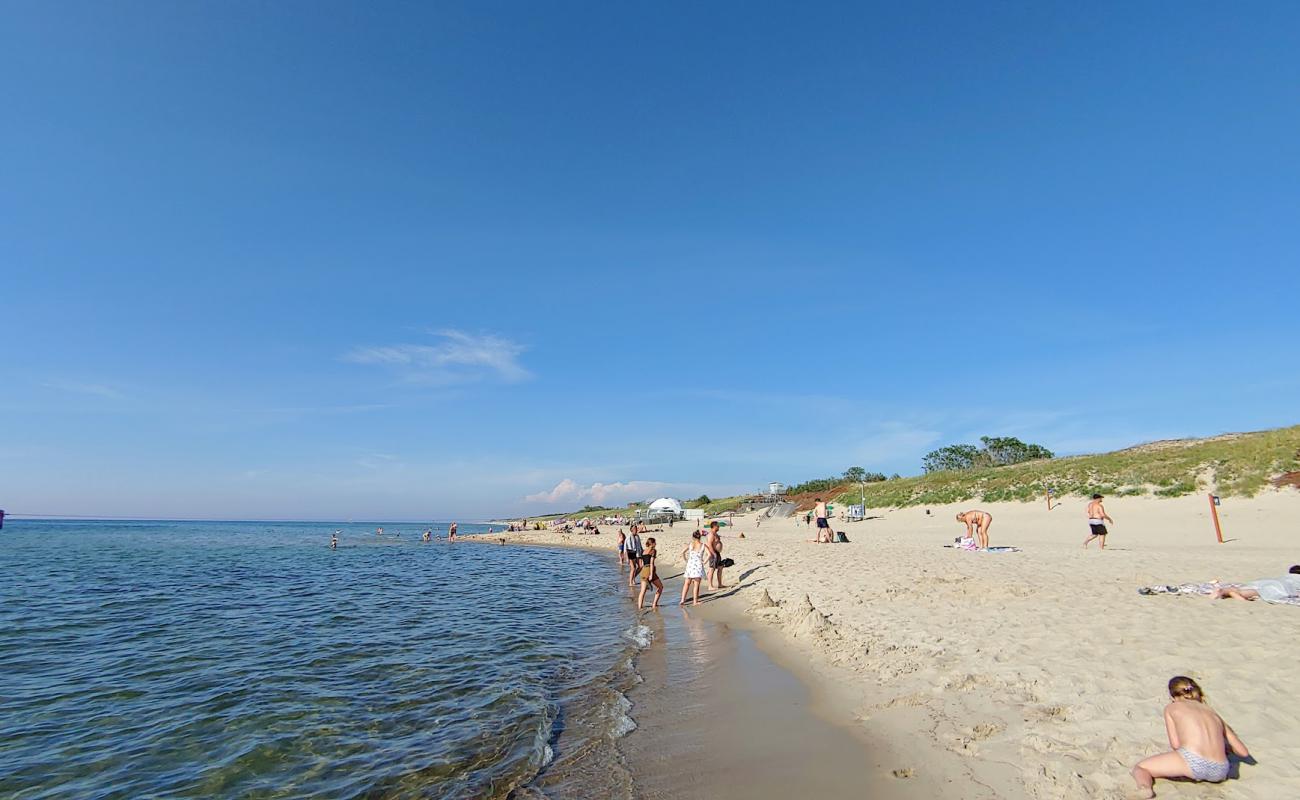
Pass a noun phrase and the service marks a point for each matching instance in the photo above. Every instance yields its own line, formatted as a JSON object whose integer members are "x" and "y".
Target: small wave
{"x": 639, "y": 634}
{"x": 621, "y": 712}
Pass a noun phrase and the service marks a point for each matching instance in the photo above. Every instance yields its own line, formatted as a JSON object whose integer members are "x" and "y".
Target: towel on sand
{"x": 1206, "y": 589}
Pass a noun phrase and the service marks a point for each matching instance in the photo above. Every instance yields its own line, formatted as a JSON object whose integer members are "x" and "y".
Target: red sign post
{"x": 1214, "y": 512}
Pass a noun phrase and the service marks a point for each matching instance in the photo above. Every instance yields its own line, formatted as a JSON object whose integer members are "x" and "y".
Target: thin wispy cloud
{"x": 619, "y": 492}
{"x": 458, "y": 357}
{"x": 92, "y": 389}
{"x": 376, "y": 460}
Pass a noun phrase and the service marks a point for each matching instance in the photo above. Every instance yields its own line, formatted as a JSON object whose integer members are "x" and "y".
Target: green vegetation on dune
{"x": 1231, "y": 465}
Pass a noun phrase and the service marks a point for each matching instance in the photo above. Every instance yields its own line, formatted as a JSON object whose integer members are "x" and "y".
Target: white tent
{"x": 666, "y": 505}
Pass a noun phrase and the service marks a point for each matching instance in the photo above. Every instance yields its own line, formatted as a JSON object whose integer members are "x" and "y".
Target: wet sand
{"x": 717, "y": 718}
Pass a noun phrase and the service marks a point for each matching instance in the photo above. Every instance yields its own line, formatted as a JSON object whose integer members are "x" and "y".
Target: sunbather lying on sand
{"x": 1272, "y": 589}
{"x": 1198, "y": 737}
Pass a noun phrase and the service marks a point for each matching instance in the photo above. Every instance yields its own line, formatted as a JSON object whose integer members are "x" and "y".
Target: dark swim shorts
{"x": 822, "y": 523}
{"x": 1097, "y": 530}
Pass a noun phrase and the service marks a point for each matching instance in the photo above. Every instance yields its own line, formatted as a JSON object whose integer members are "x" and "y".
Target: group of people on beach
{"x": 702, "y": 555}
{"x": 978, "y": 522}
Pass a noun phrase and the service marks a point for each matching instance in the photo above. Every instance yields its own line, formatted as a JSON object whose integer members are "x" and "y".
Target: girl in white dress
{"x": 693, "y": 555}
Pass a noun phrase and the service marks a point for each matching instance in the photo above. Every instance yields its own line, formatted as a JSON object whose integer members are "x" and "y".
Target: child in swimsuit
{"x": 1199, "y": 739}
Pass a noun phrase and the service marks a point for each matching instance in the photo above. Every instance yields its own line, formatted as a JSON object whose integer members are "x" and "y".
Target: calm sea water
{"x": 243, "y": 659}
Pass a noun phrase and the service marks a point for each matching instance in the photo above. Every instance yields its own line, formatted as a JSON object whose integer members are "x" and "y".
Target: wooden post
{"x": 1048, "y": 494}
{"x": 1214, "y": 512}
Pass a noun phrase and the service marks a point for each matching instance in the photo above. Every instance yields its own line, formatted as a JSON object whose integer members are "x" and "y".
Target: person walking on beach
{"x": 633, "y": 555}
{"x": 714, "y": 543}
{"x": 622, "y": 542}
{"x": 1097, "y": 519}
{"x": 1198, "y": 739}
{"x": 693, "y": 555}
{"x": 823, "y": 521}
{"x": 451, "y": 533}
{"x": 977, "y": 525}
{"x": 649, "y": 575}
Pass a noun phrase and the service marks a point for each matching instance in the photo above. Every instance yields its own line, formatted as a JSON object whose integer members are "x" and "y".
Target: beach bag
{"x": 726, "y": 562}
{"x": 840, "y": 537}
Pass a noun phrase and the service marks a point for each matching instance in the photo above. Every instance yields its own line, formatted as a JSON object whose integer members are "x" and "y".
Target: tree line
{"x": 995, "y": 451}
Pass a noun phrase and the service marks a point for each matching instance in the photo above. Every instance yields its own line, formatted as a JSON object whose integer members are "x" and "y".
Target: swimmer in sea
{"x": 428, "y": 534}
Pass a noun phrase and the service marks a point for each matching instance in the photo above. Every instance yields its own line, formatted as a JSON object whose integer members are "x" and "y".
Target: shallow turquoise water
{"x": 250, "y": 660}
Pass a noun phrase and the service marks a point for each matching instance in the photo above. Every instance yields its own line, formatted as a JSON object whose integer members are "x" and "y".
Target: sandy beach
{"x": 1032, "y": 674}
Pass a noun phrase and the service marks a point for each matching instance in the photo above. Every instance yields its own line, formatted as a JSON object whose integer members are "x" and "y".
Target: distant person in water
{"x": 977, "y": 526}
{"x": 379, "y": 531}
{"x": 428, "y": 534}
{"x": 334, "y": 540}
{"x": 1097, "y": 519}
{"x": 451, "y": 533}
{"x": 649, "y": 575}
{"x": 1198, "y": 741}
{"x": 693, "y": 554}
{"x": 714, "y": 543}
{"x": 633, "y": 555}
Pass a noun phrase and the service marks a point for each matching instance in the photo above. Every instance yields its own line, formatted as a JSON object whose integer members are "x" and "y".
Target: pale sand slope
{"x": 1042, "y": 673}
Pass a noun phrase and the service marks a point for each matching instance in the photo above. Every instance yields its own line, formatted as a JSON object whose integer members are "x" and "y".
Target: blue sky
{"x": 412, "y": 260}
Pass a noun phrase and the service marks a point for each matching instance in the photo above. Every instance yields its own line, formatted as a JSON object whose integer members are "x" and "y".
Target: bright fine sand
{"x": 1034, "y": 674}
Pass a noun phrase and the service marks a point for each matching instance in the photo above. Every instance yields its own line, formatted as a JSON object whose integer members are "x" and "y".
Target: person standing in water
{"x": 633, "y": 555}
{"x": 693, "y": 554}
{"x": 1097, "y": 519}
{"x": 977, "y": 526}
{"x": 334, "y": 540}
{"x": 714, "y": 543}
{"x": 622, "y": 542}
{"x": 1198, "y": 739}
{"x": 649, "y": 575}
{"x": 428, "y": 534}
{"x": 451, "y": 533}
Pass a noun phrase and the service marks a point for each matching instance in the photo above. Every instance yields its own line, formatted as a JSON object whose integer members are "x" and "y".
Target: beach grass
{"x": 1232, "y": 465}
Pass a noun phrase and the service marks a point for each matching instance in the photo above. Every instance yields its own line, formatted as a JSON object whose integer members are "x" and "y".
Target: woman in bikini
{"x": 649, "y": 575}
{"x": 622, "y": 540}
{"x": 1198, "y": 738}
{"x": 977, "y": 526}
{"x": 693, "y": 555}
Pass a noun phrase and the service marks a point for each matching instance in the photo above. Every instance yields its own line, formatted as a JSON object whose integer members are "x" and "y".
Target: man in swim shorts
{"x": 713, "y": 546}
{"x": 977, "y": 526}
{"x": 1097, "y": 519}
{"x": 823, "y": 524}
